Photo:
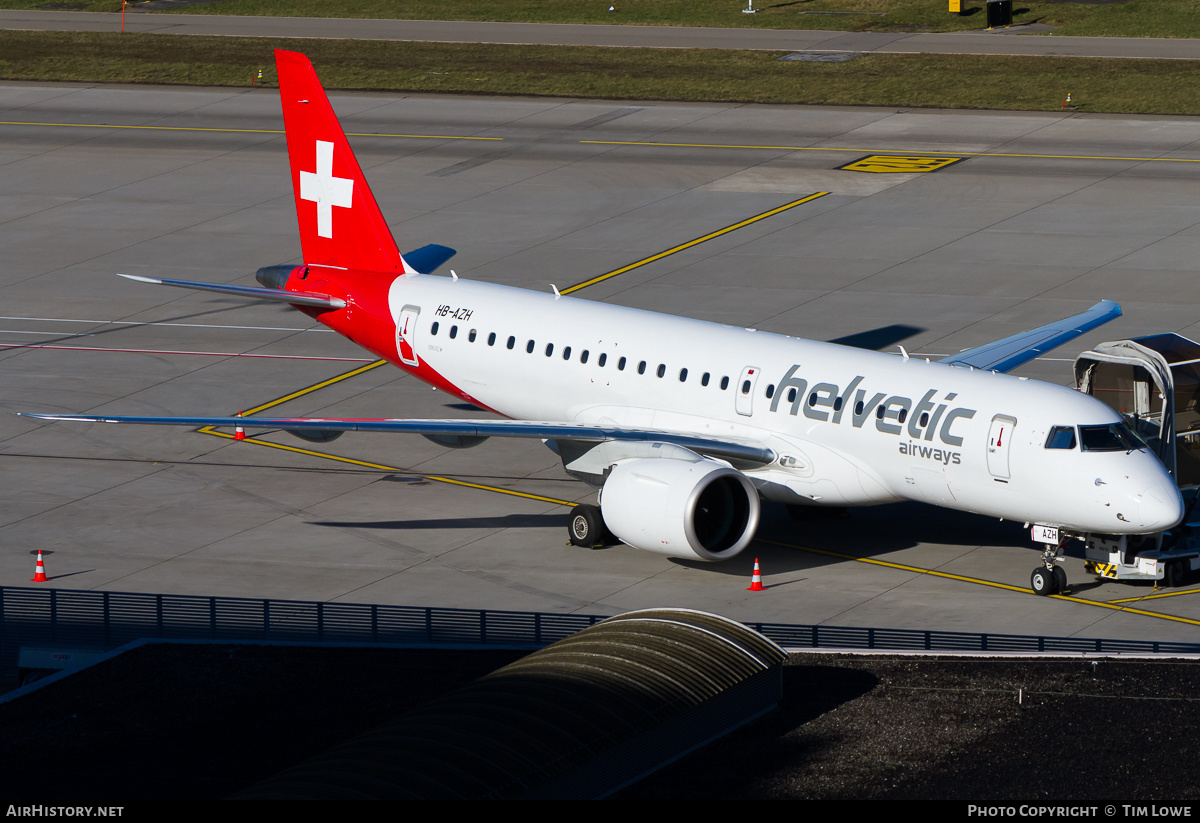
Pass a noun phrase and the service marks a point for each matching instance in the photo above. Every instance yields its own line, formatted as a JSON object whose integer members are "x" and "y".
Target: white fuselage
{"x": 849, "y": 426}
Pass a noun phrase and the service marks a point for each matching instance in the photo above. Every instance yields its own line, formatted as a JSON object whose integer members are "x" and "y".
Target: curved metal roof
{"x": 556, "y": 713}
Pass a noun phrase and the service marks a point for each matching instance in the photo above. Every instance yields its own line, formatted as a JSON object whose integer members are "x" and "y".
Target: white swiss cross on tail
{"x": 326, "y": 190}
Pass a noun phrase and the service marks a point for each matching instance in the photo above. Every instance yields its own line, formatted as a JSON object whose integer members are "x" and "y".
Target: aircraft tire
{"x": 1060, "y": 579}
{"x": 1174, "y": 575}
{"x": 1042, "y": 581}
{"x": 586, "y": 526}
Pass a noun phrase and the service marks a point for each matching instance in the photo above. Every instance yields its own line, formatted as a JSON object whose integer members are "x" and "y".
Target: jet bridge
{"x": 1154, "y": 382}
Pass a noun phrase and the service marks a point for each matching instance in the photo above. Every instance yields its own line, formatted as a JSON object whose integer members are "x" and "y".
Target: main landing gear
{"x": 586, "y": 527}
{"x": 1049, "y": 578}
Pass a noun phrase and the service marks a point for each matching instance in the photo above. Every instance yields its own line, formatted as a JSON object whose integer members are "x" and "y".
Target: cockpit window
{"x": 1111, "y": 438}
{"x": 1061, "y": 437}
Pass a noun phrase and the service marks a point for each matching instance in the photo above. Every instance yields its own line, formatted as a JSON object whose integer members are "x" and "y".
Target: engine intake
{"x": 697, "y": 510}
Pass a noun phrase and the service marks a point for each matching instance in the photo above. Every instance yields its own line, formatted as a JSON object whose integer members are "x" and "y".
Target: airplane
{"x": 683, "y": 425}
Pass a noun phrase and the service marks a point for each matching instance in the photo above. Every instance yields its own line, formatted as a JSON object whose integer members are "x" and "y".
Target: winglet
{"x": 340, "y": 222}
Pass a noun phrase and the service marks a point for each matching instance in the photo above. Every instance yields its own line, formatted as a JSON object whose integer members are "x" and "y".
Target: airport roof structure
{"x": 578, "y": 719}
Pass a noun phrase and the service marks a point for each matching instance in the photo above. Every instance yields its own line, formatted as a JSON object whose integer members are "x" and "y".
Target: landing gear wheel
{"x": 1174, "y": 575}
{"x": 1043, "y": 581}
{"x": 586, "y": 526}
{"x": 1060, "y": 580}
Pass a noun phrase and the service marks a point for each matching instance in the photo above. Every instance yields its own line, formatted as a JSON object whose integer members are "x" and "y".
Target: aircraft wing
{"x": 731, "y": 450}
{"x": 295, "y": 298}
{"x": 1005, "y": 355}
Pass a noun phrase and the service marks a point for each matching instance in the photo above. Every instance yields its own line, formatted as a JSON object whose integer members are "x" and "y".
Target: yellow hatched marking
{"x": 1108, "y": 570}
{"x": 1112, "y": 606}
{"x": 891, "y": 164}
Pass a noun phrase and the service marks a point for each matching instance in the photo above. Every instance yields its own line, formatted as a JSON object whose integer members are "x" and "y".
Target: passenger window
{"x": 724, "y": 383}
{"x": 602, "y": 360}
{"x": 621, "y": 364}
{"x": 433, "y": 329}
{"x": 471, "y": 336}
{"x": 512, "y": 341}
{"x": 642, "y": 367}
{"x": 583, "y": 356}
{"x": 662, "y": 369}
{"x": 492, "y": 339}
{"x": 704, "y": 379}
{"x": 529, "y": 347}
{"x": 770, "y": 391}
{"x": 453, "y": 332}
{"x": 549, "y": 349}
{"x": 567, "y": 353}
{"x": 683, "y": 375}
{"x": 1061, "y": 437}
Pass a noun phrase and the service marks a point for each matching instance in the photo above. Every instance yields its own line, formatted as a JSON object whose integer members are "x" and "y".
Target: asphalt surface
{"x": 1010, "y": 41}
{"x": 1044, "y": 214}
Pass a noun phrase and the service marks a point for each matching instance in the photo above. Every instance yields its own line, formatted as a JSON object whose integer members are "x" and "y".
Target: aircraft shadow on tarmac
{"x": 507, "y": 521}
{"x": 872, "y": 532}
{"x": 876, "y": 531}
{"x": 879, "y": 339}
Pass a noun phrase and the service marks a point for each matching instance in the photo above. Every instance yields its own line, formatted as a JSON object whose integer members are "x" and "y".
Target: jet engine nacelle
{"x": 698, "y": 510}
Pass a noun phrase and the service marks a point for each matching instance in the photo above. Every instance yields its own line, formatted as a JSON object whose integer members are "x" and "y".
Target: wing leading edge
{"x": 1005, "y": 355}
{"x": 741, "y": 453}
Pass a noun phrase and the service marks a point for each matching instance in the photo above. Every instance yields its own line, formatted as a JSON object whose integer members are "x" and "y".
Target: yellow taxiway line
{"x": 1111, "y": 606}
{"x": 892, "y": 151}
{"x": 339, "y": 459}
{"x": 696, "y": 242}
{"x": 386, "y": 468}
{"x": 237, "y": 131}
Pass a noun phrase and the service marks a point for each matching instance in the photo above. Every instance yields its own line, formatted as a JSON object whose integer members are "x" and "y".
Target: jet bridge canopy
{"x": 1154, "y": 382}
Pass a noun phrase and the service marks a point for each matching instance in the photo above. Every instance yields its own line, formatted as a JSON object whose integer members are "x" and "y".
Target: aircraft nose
{"x": 1161, "y": 508}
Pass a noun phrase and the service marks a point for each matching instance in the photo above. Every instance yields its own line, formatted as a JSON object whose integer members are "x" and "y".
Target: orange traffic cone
{"x": 39, "y": 574}
{"x": 238, "y": 432}
{"x": 756, "y": 580}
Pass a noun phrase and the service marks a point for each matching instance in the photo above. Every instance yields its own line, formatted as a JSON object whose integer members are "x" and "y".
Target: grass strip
{"x": 942, "y": 81}
{"x": 1132, "y": 18}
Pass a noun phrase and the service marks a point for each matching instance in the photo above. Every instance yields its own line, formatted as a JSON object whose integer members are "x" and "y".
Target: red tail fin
{"x": 340, "y": 223}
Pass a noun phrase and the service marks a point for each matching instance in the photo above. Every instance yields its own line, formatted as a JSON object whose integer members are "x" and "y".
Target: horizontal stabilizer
{"x": 1005, "y": 355}
{"x": 746, "y": 453}
{"x": 295, "y": 298}
{"x": 427, "y": 258}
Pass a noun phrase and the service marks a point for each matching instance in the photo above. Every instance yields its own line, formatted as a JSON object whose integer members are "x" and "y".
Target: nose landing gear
{"x": 1049, "y": 578}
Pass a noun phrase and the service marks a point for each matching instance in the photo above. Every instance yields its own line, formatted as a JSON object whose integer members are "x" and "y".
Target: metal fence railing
{"x": 102, "y": 620}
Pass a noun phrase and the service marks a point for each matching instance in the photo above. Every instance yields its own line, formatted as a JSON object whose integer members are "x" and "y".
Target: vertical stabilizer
{"x": 340, "y": 223}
